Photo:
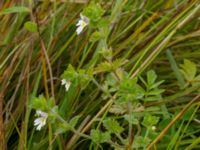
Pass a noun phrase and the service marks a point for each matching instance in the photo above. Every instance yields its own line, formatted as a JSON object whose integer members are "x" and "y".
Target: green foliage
{"x": 112, "y": 126}
{"x": 129, "y": 90}
{"x": 141, "y": 142}
{"x": 150, "y": 121}
{"x": 39, "y": 103}
{"x": 80, "y": 77}
{"x": 96, "y": 36}
{"x": 187, "y": 116}
{"x": 152, "y": 93}
{"x": 109, "y": 66}
{"x": 189, "y": 71}
{"x": 196, "y": 81}
{"x": 94, "y": 12}
{"x": 116, "y": 69}
{"x": 151, "y": 77}
{"x": 99, "y": 137}
{"x": 74, "y": 121}
{"x": 63, "y": 127}
{"x": 131, "y": 119}
{"x": 15, "y": 9}
{"x": 117, "y": 109}
{"x": 128, "y": 105}
{"x": 31, "y": 26}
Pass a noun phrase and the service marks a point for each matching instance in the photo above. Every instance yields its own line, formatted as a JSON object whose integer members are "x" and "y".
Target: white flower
{"x": 67, "y": 84}
{"x": 41, "y": 120}
{"x": 82, "y": 23}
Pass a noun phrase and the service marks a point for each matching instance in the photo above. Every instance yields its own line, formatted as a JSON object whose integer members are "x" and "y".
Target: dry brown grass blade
{"x": 2, "y": 135}
{"x": 3, "y": 82}
{"x": 45, "y": 58}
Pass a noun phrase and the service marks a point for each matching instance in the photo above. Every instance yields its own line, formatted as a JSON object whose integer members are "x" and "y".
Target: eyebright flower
{"x": 67, "y": 84}
{"x": 41, "y": 120}
{"x": 82, "y": 23}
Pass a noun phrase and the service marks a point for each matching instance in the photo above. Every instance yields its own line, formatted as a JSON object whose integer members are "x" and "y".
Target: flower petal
{"x": 41, "y": 120}
{"x": 63, "y": 82}
{"x": 82, "y": 23}
{"x": 79, "y": 23}
{"x": 79, "y": 30}
{"x": 37, "y": 121}
{"x": 44, "y": 115}
{"x": 39, "y": 127}
{"x": 67, "y": 85}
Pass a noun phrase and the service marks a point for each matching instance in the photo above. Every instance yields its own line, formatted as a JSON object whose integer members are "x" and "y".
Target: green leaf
{"x": 131, "y": 119}
{"x": 152, "y": 109}
{"x": 130, "y": 90}
{"x": 152, "y": 98}
{"x": 143, "y": 81}
{"x": 175, "y": 69}
{"x": 80, "y": 77}
{"x": 188, "y": 69}
{"x": 31, "y": 26}
{"x": 104, "y": 25}
{"x": 93, "y": 11}
{"x": 39, "y": 103}
{"x": 99, "y": 137}
{"x": 110, "y": 66}
{"x": 104, "y": 67}
{"x": 96, "y": 36}
{"x": 15, "y": 9}
{"x": 151, "y": 77}
{"x": 118, "y": 63}
{"x": 74, "y": 121}
{"x": 155, "y": 85}
{"x": 69, "y": 73}
{"x": 140, "y": 142}
{"x": 156, "y": 92}
{"x": 150, "y": 120}
{"x": 117, "y": 109}
{"x": 112, "y": 126}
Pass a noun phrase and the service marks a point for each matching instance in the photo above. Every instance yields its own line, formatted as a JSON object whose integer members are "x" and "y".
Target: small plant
{"x": 79, "y": 74}
{"x": 128, "y": 113}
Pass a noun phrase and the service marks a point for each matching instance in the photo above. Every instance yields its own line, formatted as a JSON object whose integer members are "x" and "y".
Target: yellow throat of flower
{"x": 83, "y": 24}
